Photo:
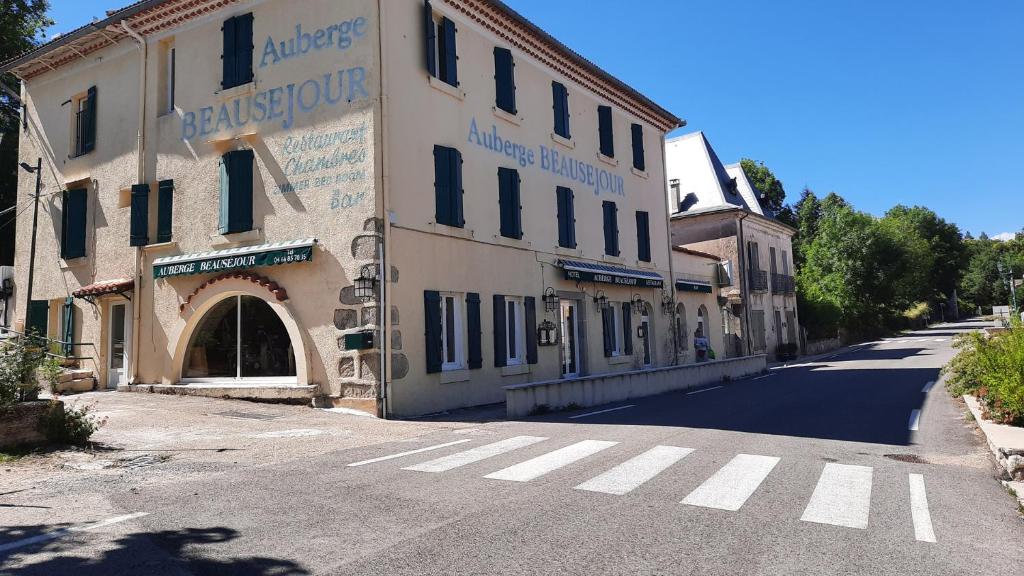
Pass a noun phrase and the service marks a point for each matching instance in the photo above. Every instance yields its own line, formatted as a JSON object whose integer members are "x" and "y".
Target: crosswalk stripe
{"x": 541, "y": 465}
{"x": 914, "y": 423}
{"x": 632, "y": 473}
{"x": 409, "y": 453}
{"x": 923, "y": 530}
{"x": 730, "y": 487}
{"x": 476, "y": 454}
{"x": 928, "y": 387}
{"x": 842, "y": 497}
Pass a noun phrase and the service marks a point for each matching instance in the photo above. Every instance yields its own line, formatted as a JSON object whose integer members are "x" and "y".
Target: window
{"x": 165, "y": 209}
{"x": 681, "y": 334}
{"x": 626, "y": 345}
{"x": 448, "y": 187}
{"x": 604, "y": 131}
{"x": 167, "y": 76}
{"x": 442, "y": 57}
{"x": 611, "y": 228}
{"x": 611, "y": 324}
{"x": 566, "y": 218}
{"x": 771, "y": 263}
{"x": 560, "y": 99}
{"x": 38, "y": 317}
{"x": 643, "y": 237}
{"x": 73, "y": 223}
{"x": 236, "y": 174}
{"x": 638, "y": 148}
{"x": 240, "y": 337}
{"x": 451, "y": 332}
{"x": 67, "y": 326}
{"x": 504, "y": 80}
{"x": 509, "y": 207}
{"x": 514, "y": 332}
{"x": 702, "y": 326}
{"x": 84, "y": 123}
{"x": 677, "y": 200}
{"x": 757, "y": 332}
{"x": 236, "y": 59}
{"x": 140, "y": 215}
{"x": 785, "y": 263}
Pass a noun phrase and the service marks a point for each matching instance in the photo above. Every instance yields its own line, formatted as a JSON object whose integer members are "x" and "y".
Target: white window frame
{"x": 459, "y": 304}
{"x": 516, "y": 317}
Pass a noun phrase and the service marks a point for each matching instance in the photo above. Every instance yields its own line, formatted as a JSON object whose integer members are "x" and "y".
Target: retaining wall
{"x": 523, "y": 399}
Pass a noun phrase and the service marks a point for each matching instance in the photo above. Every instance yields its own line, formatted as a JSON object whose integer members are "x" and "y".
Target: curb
{"x": 1011, "y": 459}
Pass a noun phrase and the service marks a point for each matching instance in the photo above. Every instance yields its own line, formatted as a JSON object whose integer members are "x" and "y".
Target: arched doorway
{"x": 239, "y": 338}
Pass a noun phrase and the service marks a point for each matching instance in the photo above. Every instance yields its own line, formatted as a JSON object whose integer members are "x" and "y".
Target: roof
{"x": 746, "y": 188}
{"x": 115, "y": 286}
{"x": 697, "y": 253}
{"x": 730, "y": 208}
{"x": 149, "y": 16}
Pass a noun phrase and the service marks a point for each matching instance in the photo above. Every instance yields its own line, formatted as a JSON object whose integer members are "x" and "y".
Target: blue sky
{"x": 883, "y": 102}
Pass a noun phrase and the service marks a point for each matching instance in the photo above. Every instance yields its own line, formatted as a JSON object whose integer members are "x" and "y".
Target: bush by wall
{"x": 991, "y": 367}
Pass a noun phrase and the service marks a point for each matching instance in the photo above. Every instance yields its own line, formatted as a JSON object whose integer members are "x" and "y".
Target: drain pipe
{"x": 137, "y": 304}
{"x": 741, "y": 257}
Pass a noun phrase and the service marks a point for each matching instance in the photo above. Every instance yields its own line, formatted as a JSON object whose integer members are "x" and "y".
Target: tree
{"x": 940, "y": 251}
{"x": 773, "y": 195}
{"x": 21, "y": 24}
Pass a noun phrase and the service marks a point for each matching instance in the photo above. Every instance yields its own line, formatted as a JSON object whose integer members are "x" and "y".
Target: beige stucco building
{"x": 716, "y": 211}
{"x": 398, "y": 207}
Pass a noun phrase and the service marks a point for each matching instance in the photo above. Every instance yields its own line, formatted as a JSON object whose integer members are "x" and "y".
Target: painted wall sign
{"x": 339, "y": 36}
{"x": 593, "y": 177}
{"x": 222, "y": 264}
{"x": 581, "y": 276}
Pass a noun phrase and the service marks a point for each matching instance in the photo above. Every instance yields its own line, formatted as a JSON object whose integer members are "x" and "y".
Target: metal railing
{"x": 49, "y": 344}
{"x": 758, "y": 280}
{"x": 82, "y": 120}
{"x": 783, "y": 284}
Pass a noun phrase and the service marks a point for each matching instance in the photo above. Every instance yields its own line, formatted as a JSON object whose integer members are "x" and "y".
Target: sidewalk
{"x": 1007, "y": 443}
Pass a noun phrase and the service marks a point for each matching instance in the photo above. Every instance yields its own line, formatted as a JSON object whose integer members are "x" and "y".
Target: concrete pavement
{"x": 811, "y": 469}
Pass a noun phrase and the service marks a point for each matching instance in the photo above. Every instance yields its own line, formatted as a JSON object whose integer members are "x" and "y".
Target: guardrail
{"x": 758, "y": 280}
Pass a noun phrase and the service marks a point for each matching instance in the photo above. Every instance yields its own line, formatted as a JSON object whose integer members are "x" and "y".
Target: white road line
{"x": 627, "y": 476}
{"x": 602, "y": 411}
{"x": 476, "y": 454}
{"x": 64, "y": 531}
{"x": 704, "y": 390}
{"x": 730, "y": 487}
{"x": 940, "y": 339}
{"x": 760, "y": 377}
{"x": 923, "y": 531}
{"x": 842, "y": 497}
{"x": 541, "y": 465}
{"x": 915, "y": 420}
{"x": 409, "y": 453}
{"x": 928, "y": 387}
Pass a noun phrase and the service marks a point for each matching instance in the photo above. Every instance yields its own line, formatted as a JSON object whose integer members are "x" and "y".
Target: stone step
{"x": 77, "y": 385}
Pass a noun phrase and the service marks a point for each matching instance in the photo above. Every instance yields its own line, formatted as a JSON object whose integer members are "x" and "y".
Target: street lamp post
{"x": 38, "y": 170}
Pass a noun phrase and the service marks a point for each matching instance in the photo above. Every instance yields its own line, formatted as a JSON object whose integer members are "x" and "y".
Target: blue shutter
{"x": 608, "y": 330}
{"x": 611, "y": 228}
{"x": 432, "y": 325}
{"x": 229, "y": 57}
{"x": 430, "y": 36}
{"x": 38, "y": 317}
{"x": 530, "y": 304}
{"x": 68, "y": 323}
{"x": 504, "y": 80}
{"x": 566, "y": 218}
{"x": 474, "y": 358}
{"x": 165, "y": 210}
{"x": 243, "y": 49}
{"x": 448, "y": 55}
{"x": 627, "y": 328}
{"x": 442, "y": 186}
{"x": 74, "y": 220}
{"x": 455, "y": 157}
{"x": 500, "y": 341}
{"x": 560, "y": 97}
{"x": 89, "y": 130}
{"x": 604, "y": 129}
{"x": 638, "y": 148}
{"x": 140, "y": 215}
{"x": 643, "y": 236}
{"x": 509, "y": 205}
{"x": 236, "y": 183}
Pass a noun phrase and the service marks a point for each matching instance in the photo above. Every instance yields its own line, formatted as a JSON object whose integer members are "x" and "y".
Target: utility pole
{"x": 1013, "y": 288}
{"x": 35, "y": 222}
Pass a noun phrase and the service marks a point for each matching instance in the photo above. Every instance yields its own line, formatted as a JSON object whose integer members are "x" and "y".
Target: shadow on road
{"x": 190, "y": 551}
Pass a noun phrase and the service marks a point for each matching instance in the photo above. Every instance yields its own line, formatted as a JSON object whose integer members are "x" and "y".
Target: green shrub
{"x": 19, "y": 358}
{"x": 50, "y": 371}
{"x": 70, "y": 424}
{"x": 991, "y": 368}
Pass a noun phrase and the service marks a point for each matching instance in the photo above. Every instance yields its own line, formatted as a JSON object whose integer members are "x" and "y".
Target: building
{"x": 716, "y": 211}
{"x": 398, "y": 207}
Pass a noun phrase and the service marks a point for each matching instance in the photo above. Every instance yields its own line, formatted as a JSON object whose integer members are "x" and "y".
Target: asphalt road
{"x": 815, "y": 468}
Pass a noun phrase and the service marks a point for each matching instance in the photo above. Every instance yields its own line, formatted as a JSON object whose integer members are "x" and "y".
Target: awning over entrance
{"x": 588, "y": 272}
{"x": 115, "y": 286}
{"x": 694, "y": 286}
{"x": 235, "y": 258}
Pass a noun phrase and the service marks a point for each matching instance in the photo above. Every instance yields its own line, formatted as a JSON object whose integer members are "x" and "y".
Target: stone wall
{"x": 20, "y": 425}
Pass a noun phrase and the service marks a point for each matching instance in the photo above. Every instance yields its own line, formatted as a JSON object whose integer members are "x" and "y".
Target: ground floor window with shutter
{"x": 452, "y": 349}
{"x": 612, "y": 331}
{"x": 514, "y": 331}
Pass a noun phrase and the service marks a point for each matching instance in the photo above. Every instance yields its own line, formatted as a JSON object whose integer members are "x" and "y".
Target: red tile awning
{"x": 116, "y": 286}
